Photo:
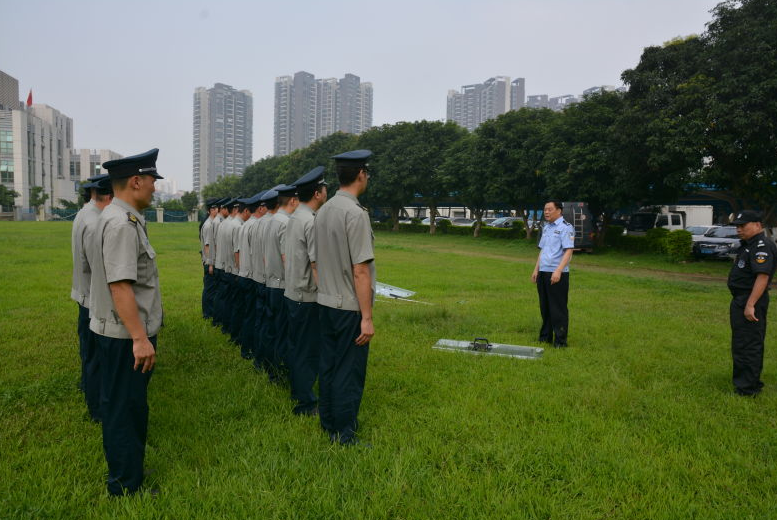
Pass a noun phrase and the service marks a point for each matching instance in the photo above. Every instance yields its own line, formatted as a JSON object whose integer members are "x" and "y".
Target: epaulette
{"x": 132, "y": 218}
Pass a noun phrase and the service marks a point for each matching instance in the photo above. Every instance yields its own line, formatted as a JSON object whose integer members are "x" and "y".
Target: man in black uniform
{"x": 748, "y": 282}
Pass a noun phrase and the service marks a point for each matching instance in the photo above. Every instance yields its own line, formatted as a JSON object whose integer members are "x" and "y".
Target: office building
{"x": 9, "y": 92}
{"x": 222, "y": 133}
{"x": 307, "y": 109}
{"x": 85, "y": 163}
{"x": 537, "y": 101}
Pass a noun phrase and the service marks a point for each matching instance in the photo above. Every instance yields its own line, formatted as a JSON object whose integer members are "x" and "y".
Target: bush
{"x": 612, "y": 235}
{"x": 656, "y": 239}
{"x": 678, "y": 245}
{"x": 444, "y": 225}
{"x": 415, "y": 220}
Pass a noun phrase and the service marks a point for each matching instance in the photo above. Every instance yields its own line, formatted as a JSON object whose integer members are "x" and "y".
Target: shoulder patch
{"x": 761, "y": 257}
{"x": 132, "y": 218}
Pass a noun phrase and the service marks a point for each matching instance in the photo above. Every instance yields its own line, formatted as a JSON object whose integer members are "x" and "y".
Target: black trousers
{"x": 342, "y": 372}
{"x": 747, "y": 343}
{"x": 218, "y": 295}
{"x": 259, "y": 345}
{"x": 304, "y": 348}
{"x": 276, "y": 335}
{"x": 90, "y": 364}
{"x": 124, "y": 411}
{"x": 208, "y": 287}
{"x": 245, "y": 325}
{"x": 553, "y": 308}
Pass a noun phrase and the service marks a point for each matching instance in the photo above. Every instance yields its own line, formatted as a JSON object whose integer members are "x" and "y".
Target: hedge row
{"x": 446, "y": 228}
{"x": 677, "y": 245}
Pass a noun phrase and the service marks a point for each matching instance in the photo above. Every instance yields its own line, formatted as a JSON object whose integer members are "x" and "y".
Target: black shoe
{"x": 357, "y": 443}
{"x": 559, "y": 345}
{"x": 745, "y": 393}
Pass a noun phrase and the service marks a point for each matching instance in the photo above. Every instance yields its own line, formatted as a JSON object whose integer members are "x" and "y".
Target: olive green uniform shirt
{"x": 300, "y": 251}
{"x": 257, "y": 248}
{"x": 122, "y": 252}
{"x": 274, "y": 246}
{"x": 82, "y": 273}
{"x": 244, "y": 247}
{"x": 343, "y": 238}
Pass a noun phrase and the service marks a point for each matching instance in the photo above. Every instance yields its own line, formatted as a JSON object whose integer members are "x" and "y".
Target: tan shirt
{"x": 257, "y": 248}
{"x": 274, "y": 244}
{"x": 343, "y": 238}
{"x": 300, "y": 251}
{"x": 121, "y": 251}
{"x": 244, "y": 247}
{"x": 82, "y": 273}
{"x": 206, "y": 239}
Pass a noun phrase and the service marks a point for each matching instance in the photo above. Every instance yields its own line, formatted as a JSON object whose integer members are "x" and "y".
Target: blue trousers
{"x": 342, "y": 372}
{"x": 261, "y": 357}
{"x": 304, "y": 347}
{"x": 245, "y": 327}
{"x": 90, "y": 364}
{"x": 276, "y": 336}
{"x": 124, "y": 409}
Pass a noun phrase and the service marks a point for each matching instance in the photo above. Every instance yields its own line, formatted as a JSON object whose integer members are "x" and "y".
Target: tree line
{"x": 699, "y": 113}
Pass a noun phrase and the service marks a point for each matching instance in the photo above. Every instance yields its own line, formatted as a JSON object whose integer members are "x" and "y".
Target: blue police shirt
{"x": 556, "y": 237}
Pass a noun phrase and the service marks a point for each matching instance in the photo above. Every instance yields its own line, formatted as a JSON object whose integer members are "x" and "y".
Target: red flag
{"x": 29, "y": 99}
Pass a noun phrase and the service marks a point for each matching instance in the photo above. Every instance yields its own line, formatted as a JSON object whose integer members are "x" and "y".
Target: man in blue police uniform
{"x": 346, "y": 293}
{"x": 551, "y": 274}
{"x": 126, "y": 314}
{"x": 300, "y": 271}
{"x": 748, "y": 282}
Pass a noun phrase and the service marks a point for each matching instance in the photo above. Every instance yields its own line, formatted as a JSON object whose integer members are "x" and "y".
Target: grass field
{"x": 635, "y": 420}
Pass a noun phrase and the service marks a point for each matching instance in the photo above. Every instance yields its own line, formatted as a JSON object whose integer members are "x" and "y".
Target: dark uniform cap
{"x": 140, "y": 164}
{"x": 231, "y": 203}
{"x": 250, "y": 200}
{"x": 103, "y": 183}
{"x": 314, "y": 177}
{"x": 354, "y": 157}
{"x": 747, "y": 215}
{"x": 212, "y": 203}
{"x": 286, "y": 190}
{"x": 97, "y": 178}
{"x": 269, "y": 195}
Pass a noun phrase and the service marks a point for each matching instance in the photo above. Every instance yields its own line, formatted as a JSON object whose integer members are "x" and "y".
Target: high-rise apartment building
{"x": 518, "y": 94}
{"x": 222, "y": 133}
{"x": 9, "y": 92}
{"x": 537, "y": 101}
{"x": 307, "y": 109}
{"x": 479, "y": 102}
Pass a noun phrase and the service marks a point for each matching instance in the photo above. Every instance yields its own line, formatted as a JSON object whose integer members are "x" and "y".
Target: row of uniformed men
{"x": 291, "y": 278}
{"x": 116, "y": 285}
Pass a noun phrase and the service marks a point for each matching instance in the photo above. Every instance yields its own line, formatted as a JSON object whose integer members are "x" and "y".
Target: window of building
{"x": 6, "y": 142}
{"x": 6, "y": 172}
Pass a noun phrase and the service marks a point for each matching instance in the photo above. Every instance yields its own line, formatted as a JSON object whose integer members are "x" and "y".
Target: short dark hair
{"x": 103, "y": 192}
{"x": 120, "y": 183}
{"x": 284, "y": 199}
{"x": 252, "y": 207}
{"x": 271, "y": 204}
{"x": 347, "y": 173}
{"x": 305, "y": 193}
{"x": 557, "y": 203}
{"x": 102, "y": 195}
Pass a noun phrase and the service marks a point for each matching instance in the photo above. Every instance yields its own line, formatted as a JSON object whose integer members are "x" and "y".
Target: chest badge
{"x": 741, "y": 264}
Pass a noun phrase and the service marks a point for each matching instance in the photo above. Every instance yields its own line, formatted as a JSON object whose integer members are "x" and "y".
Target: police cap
{"x": 140, "y": 164}
{"x": 747, "y": 215}
{"x": 314, "y": 177}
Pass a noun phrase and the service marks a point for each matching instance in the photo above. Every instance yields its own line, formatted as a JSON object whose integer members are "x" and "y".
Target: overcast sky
{"x": 126, "y": 71}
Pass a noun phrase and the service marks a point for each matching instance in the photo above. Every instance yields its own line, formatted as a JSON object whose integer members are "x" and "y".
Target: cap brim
{"x": 155, "y": 175}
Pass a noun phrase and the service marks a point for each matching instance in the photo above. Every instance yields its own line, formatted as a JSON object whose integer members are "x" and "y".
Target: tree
{"x": 468, "y": 166}
{"x": 229, "y": 186}
{"x": 68, "y": 204}
{"x": 517, "y": 143}
{"x": 190, "y": 201}
{"x": 173, "y": 205}
{"x": 37, "y": 197}
{"x": 419, "y": 152}
{"x": 585, "y": 164}
{"x": 741, "y": 101}
{"x": 7, "y": 197}
{"x": 391, "y": 185}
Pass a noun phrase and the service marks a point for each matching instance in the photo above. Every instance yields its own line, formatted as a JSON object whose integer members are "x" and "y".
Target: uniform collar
{"x": 348, "y": 195}
{"x": 304, "y": 207}
{"x": 557, "y": 222}
{"x": 126, "y": 207}
{"x": 754, "y": 239}
{"x": 281, "y": 211}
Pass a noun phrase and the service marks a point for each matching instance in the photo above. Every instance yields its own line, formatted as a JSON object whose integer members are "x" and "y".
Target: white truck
{"x": 669, "y": 217}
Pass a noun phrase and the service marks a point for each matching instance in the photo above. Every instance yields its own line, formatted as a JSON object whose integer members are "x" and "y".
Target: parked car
{"x": 504, "y": 222}
{"x": 719, "y": 242}
{"x": 487, "y": 221}
{"x": 698, "y": 231}
{"x": 437, "y": 220}
{"x": 461, "y": 221}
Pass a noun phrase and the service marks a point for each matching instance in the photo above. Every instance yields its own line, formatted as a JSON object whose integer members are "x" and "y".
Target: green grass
{"x": 635, "y": 420}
